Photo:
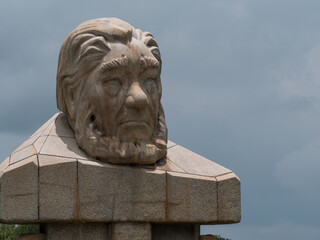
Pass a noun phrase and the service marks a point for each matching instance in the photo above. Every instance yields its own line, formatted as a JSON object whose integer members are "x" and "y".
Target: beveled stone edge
{"x": 195, "y": 177}
{"x": 220, "y": 179}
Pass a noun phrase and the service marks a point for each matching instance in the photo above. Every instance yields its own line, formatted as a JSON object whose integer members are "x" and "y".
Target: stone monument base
{"x": 49, "y": 180}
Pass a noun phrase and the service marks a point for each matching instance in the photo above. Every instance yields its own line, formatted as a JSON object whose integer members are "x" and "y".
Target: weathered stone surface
{"x": 39, "y": 143}
{"x": 4, "y": 165}
{"x": 170, "y": 144}
{"x": 22, "y": 154}
{"x": 229, "y": 198}
{"x": 47, "y": 130}
{"x": 175, "y": 231}
{"x": 191, "y": 198}
{"x": 130, "y": 231}
{"x": 193, "y": 163}
{"x": 36, "y": 236}
{"x": 19, "y": 191}
{"x": 62, "y": 147}
{"x": 118, "y": 193}
{"x": 167, "y": 165}
{"x": 77, "y": 231}
{"x": 61, "y": 127}
{"x": 28, "y": 142}
{"x": 57, "y": 188}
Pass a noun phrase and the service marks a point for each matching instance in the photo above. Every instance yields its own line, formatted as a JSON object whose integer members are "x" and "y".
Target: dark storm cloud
{"x": 242, "y": 76}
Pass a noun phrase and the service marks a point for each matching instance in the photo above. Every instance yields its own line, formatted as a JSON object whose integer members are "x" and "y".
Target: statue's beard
{"x": 113, "y": 150}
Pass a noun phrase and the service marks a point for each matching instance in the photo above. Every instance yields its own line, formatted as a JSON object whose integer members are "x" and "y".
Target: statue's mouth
{"x": 134, "y": 123}
{"x": 134, "y": 131}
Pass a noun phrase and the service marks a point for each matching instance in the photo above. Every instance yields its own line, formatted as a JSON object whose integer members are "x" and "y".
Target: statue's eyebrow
{"x": 148, "y": 62}
{"x": 114, "y": 63}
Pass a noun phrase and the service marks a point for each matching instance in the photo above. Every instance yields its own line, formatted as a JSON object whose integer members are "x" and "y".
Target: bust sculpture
{"x": 108, "y": 85}
{"x": 81, "y": 175}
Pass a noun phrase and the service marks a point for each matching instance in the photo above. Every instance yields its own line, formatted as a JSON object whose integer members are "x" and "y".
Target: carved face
{"x": 108, "y": 85}
{"x": 124, "y": 93}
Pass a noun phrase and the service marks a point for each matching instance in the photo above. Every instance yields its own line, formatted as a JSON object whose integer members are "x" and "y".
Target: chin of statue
{"x": 116, "y": 150}
{"x": 111, "y": 150}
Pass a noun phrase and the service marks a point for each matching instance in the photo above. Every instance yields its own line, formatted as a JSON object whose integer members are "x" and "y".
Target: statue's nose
{"x": 136, "y": 97}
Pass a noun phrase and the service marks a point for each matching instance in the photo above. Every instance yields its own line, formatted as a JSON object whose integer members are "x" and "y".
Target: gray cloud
{"x": 300, "y": 168}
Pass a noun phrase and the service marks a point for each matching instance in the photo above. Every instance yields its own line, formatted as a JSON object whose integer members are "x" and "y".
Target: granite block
{"x": 57, "y": 188}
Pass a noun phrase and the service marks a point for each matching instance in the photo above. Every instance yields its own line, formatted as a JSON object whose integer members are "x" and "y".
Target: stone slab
{"x": 77, "y": 231}
{"x": 191, "y": 198}
{"x": 229, "y": 198}
{"x": 39, "y": 143}
{"x": 168, "y": 165}
{"x": 62, "y": 147}
{"x": 193, "y": 163}
{"x": 22, "y": 154}
{"x": 19, "y": 191}
{"x": 57, "y": 188}
{"x": 175, "y": 231}
{"x": 119, "y": 193}
{"x": 4, "y": 164}
{"x": 170, "y": 144}
{"x": 61, "y": 127}
{"x": 47, "y": 130}
{"x": 130, "y": 231}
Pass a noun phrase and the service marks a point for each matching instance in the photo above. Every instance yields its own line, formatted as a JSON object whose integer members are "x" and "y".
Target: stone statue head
{"x": 109, "y": 87}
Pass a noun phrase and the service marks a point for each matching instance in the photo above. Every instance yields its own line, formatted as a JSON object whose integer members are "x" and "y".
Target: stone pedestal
{"x": 78, "y": 231}
{"x": 49, "y": 180}
{"x": 130, "y": 230}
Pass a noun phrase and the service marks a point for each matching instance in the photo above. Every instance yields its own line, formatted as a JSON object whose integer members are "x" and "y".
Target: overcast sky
{"x": 241, "y": 86}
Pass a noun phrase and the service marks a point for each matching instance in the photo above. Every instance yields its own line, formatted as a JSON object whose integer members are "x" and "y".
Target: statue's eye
{"x": 112, "y": 86}
{"x": 149, "y": 84}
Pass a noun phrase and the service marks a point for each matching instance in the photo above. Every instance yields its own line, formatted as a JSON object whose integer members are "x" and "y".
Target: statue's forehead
{"x": 133, "y": 50}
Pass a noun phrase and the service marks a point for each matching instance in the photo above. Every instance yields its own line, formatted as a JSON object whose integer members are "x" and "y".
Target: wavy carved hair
{"x": 87, "y": 45}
